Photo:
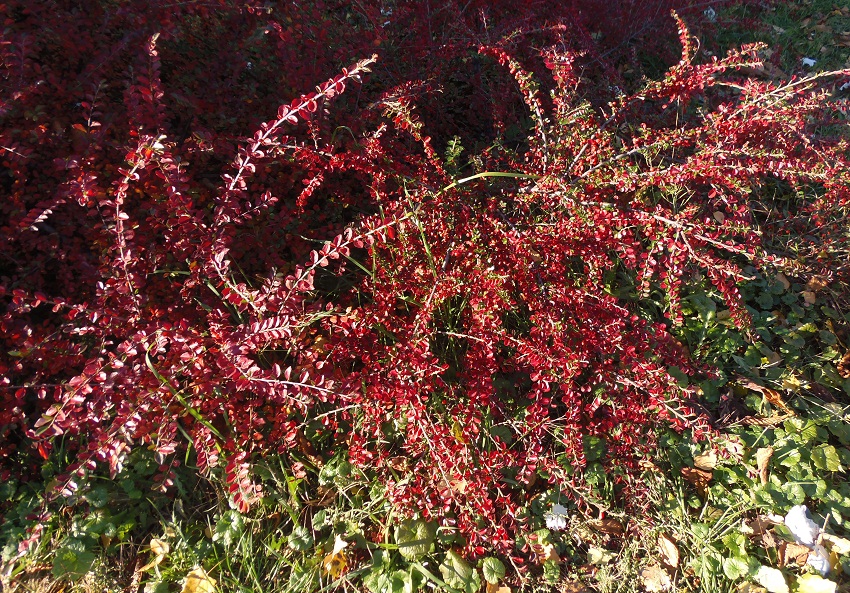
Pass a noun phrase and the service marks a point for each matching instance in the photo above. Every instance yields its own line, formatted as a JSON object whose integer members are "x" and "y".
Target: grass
{"x": 780, "y": 405}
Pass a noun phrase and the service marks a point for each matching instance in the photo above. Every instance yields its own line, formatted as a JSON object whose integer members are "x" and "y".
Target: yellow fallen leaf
{"x": 159, "y": 549}
{"x": 198, "y": 581}
{"x": 669, "y": 551}
{"x": 791, "y": 383}
{"x": 812, "y": 583}
{"x": 836, "y": 544}
{"x": 772, "y": 579}
{"x": 763, "y": 456}
{"x": 748, "y": 587}
{"x": 706, "y": 461}
{"x": 491, "y": 588}
{"x": 334, "y": 564}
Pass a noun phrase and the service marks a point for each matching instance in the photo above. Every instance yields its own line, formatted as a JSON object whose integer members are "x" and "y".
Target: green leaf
{"x": 826, "y": 457}
{"x": 300, "y": 539}
{"x": 734, "y": 568}
{"x": 415, "y": 538}
{"x": 457, "y": 573}
{"x": 228, "y": 528}
{"x": 73, "y": 559}
{"x": 493, "y": 570}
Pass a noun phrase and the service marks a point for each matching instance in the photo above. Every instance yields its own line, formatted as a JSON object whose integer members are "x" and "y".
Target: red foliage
{"x": 162, "y": 275}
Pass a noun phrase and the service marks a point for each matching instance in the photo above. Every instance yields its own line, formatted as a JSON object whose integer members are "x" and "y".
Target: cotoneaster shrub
{"x": 329, "y": 283}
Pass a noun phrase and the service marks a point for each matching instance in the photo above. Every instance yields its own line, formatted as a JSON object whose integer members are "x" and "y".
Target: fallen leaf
{"x": 843, "y": 366}
{"x": 334, "y": 563}
{"x": 791, "y": 553}
{"x": 719, "y": 216}
{"x": 771, "y": 420}
{"x": 775, "y": 399}
{"x": 809, "y": 297}
{"x": 545, "y": 552}
{"x": 198, "y": 581}
{"x": 812, "y": 583}
{"x": 573, "y": 587}
{"x": 748, "y": 587}
{"x": 607, "y": 525}
{"x": 491, "y": 588}
{"x": 763, "y": 456}
{"x": 698, "y": 477}
{"x": 656, "y": 579}
{"x": 772, "y": 579}
{"x": 159, "y": 549}
{"x": 836, "y": 544}
{"x": 669, "y": 551}
{"x": 706, "y": 461}
{"x": 597, "y": 555}
{"x": 816, "y": 283}
{"x": 791, "y": 383}
{"x": 647, "y": 466}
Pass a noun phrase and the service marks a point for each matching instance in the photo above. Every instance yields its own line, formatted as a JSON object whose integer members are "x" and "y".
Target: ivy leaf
{"x": 493, "y": 570}
{"x": 459, "y": 574}
{"x": 826, "y": 457}
{"x": 415, "y": 538}
{"x": 300, "y": 539}
{"x": 734, "y": 568}
{"x": 73, "y": 559}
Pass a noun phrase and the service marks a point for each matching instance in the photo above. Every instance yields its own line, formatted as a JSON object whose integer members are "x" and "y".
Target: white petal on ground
{"x": 804, "y": 530}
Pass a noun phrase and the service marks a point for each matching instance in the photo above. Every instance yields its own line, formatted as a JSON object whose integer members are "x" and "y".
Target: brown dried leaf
{"x": 656, "y": 579}
{"x": 763, "y": 456}
{"x": 669, "y": 551}
{"x": 843, "y": 366}
{"x": 817, "y": 283}
{"x": 762, "y": 524}
{"x": 607, "y": 525}
{"x": 776, "y": 399}
{"x": 791, "y": 553}
{"x": 698, "y": 477}
{"x": 545, "y": 552}
{"x": 771, "y": 420}
{"x": 573, "y": 587}
{"x": 809, "y": 297}
{"x": 783, "y": 280}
